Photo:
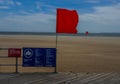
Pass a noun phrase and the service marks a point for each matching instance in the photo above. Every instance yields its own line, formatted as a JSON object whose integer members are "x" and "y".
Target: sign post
{"x": 16, "y": 65}
{"x": 15, "y": 52}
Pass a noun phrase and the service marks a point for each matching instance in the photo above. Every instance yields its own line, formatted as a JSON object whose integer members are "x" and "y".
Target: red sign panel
{"x": 14, "y": 52}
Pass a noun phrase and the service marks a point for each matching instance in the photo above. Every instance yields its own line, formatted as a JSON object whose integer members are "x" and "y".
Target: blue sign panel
{"x": 41, "y": 57}
{"x": 50, "y": 57}
{"x": 28, "y": 57}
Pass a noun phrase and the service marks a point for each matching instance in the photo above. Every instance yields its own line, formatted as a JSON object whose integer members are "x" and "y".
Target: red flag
{"x": 86, "y": 32}
{"x": 67, "y": 21}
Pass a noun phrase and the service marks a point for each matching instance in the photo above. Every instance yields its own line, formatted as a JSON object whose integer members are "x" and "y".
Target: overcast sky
{"x": 40, "y": 15}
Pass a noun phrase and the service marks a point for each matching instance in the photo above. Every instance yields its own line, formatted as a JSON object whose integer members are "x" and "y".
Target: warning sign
{"x": 14, "y": 52}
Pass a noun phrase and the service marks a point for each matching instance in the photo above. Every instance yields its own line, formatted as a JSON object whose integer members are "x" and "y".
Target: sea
{"x": 62, "y": 34}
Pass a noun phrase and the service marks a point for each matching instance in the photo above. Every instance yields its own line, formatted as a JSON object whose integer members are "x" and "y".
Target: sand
{"x": 74, "y": 53}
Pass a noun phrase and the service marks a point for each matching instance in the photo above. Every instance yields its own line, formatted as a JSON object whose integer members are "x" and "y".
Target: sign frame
{"x": 14, "y": 52}
{"x": 39, "y": 57}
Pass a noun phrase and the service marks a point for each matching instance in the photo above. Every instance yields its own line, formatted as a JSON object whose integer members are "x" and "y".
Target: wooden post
{"x": 16, "y": 71}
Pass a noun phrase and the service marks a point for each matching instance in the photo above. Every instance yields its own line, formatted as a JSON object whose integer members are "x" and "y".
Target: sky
{"x": 96, "y": 16}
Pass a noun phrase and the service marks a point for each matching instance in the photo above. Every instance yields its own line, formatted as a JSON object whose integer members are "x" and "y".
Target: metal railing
{"x": 16, "y": 60}
{"x": 14, "y": 64}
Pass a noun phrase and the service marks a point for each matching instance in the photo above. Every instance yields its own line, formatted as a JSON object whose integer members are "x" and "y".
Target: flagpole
{"x": 56, "y": 55}
{"x": 56, "y": 52}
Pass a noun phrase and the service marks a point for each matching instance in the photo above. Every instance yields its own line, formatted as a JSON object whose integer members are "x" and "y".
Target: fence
{"x": 14, "y": 64}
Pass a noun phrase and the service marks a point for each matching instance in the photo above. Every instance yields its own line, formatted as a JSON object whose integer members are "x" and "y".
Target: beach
{"x": 74, "y": 53}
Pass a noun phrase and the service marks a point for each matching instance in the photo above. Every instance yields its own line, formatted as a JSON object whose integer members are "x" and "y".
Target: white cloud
{"x": 7, "y": 2}
{"x": 10, "y": 2}
{"x": 25, "y": 12}
{"x": 38, "y": 5}
{"x": 92, "y": 1}
{"x": 4, "y": 7}
{"x": 47, "y": 7}
{"x": 1, "y": 1}
{"x": 34, "y": 22}
{"x": 104, "y": 19}
{"x": 98, "y": 1}
{"x": 114, "y": 1}
{"x": 18, "y": 3}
